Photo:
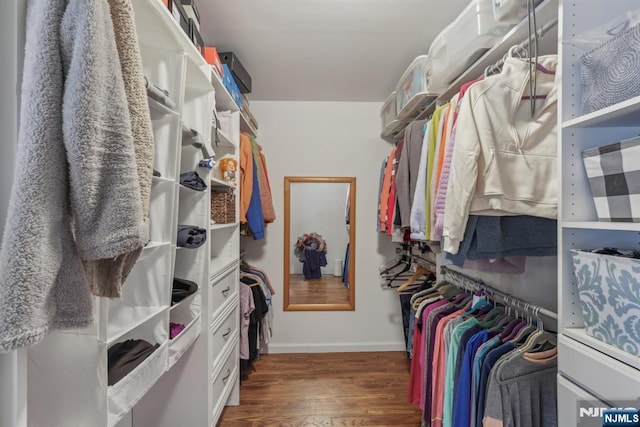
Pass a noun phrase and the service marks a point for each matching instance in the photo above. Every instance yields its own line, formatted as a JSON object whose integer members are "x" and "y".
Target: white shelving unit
{"x": 203, "y": 360}
{"x": 545, "y": 12}
{"x": 587, "y": 366}
{"x": 188, "y": 379}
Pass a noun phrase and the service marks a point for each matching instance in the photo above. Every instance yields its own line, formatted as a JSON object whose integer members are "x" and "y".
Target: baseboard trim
{"x": 275, "y": 348}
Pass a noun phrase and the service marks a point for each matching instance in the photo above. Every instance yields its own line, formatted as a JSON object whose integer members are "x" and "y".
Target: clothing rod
{"x": 446, "y": 271}
{"x": 522, "y": 45}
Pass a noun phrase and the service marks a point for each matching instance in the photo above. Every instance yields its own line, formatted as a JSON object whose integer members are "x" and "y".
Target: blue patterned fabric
{"x": 609, "y": 291}
{"x": 610, "y": 72}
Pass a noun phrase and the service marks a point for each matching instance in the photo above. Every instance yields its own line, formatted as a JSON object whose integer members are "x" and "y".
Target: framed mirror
{"x": 319, "y": 243}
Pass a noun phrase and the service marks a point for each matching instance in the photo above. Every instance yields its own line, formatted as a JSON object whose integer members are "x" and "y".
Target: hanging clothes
{"x": 470, "y": 362}
{"x": 84, "y": 203}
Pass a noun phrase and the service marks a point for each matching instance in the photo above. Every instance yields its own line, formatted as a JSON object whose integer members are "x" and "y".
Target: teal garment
{"x": 452, "y": 356}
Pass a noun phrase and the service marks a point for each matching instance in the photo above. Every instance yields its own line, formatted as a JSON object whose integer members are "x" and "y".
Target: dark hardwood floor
{"x": 325, "y": 389}
{"x": 328, "y": 289}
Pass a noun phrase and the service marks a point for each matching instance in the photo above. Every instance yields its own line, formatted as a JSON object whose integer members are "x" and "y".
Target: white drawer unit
{"x": 605, "y": 377}
{"x": 224, "y": 378}
{"x": 223, "y": 332}
{"x": 223, "y": 288}
{"x": 576, "y": 407}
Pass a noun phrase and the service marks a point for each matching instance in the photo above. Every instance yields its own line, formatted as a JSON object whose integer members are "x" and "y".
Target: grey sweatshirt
{"x": 407, "y": 174}
{"x": 76, "y": 167}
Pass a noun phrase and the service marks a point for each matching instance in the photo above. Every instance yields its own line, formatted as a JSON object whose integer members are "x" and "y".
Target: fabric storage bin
{"x": 609, "y": 72}
{"x": 609, "y": 292}
{"x": 389, "y": 112}
{"x": 223, "y": 206}
{"x": 463, "y": 42}
{"x": 614, "y": 176}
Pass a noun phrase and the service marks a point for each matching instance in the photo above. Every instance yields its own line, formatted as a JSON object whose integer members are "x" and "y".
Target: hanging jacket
{"x": 255, "y": 219}
{"x": 268, "y": 213}
{"x": 246, "y": 176}
{"x": 75, "y": 166}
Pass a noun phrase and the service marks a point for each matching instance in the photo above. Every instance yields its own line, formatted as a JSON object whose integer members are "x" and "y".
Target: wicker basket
{"x": 223, "y": 206}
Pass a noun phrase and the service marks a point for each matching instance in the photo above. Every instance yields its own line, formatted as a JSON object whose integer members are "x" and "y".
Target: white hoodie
{"x": 504, "y": 161}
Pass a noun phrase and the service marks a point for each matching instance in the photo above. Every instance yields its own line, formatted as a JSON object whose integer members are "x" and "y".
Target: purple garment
{"x": 445, "y": 310}
{"x": 175, "y": 329}
{"x": 441, "y": 193}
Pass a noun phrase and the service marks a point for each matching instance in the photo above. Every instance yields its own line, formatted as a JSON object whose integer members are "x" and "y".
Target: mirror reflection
{"x": 319, "y": 250}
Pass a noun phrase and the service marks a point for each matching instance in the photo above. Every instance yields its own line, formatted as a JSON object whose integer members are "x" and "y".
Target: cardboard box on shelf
{"x": 240, "y": 74}
{"x": 211, "y": 56}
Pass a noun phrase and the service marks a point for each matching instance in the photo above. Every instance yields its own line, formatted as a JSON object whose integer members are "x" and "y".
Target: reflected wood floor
{"x": 328, "y": 289}
{"x": 325, "y": 389}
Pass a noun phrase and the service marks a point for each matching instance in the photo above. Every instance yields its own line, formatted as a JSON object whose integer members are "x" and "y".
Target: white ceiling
{"x": 325, "y": 50}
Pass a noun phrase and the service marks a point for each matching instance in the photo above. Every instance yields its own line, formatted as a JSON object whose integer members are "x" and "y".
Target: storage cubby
{"x": 166, "y": 69}
{"x": 145, "y": 293}
{"x": 161, "y": 211}
{"x": 225, "y": 247}
{"x": 167, "y": 133}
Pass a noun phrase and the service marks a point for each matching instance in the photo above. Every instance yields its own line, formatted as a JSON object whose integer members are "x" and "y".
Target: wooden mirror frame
{"x": 351, "y": 306}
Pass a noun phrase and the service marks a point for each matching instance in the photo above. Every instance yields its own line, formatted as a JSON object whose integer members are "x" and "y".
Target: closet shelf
{"x": 141, "y": 315}
{"x": 545, "y": 12}
{"x": 220, "y": 265}
{"x": 159, "y": 110}
{"x": 156, "y": 27}
{"x": 187, "y": 300}
{"x": 246, "y": 127}
{"x": 599, "y": 225}
{"x": 124, "y": 395}
{"x": 154, "y": 245}
{"x": 224, "y": 100}
{"x": 214, "y": 226}
{"x": 225, "y": 141}
{"x": 181, "y": 343}
{"x": 217, "y": 182}
{"x": 580, "y": 335}
{"x": 623, "y": 114}
{"x": 159, "y": 180}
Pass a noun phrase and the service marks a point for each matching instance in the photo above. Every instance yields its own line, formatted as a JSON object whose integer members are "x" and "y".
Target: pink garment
{"x": 415, "y": 373}
{"x": 438, "y": 370}
{"x": 391, "y": 203}
{"x": 247, "y": 305}
{"x": 175, "y": 329}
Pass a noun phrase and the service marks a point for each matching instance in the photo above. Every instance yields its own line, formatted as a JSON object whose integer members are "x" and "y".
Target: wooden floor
{"x": 329, "y": 389}
{"x": 328, "y": 289}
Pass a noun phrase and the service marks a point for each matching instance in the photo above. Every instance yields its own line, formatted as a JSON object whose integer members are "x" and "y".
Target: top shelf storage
{"x": 224, "y": 100}
{"x": 156, "y": 27}
{"x": 545, "y": 12}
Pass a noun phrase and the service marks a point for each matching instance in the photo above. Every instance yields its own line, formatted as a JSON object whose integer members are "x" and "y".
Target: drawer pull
{"x": 226, "y": 334}
{"x": 226, "y": 291}
{"x": 226, "y": 378}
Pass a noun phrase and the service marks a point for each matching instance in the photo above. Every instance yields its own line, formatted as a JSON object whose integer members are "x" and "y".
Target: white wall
{"x": 328, "y": 139}
{"x": 320, "y": 208}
